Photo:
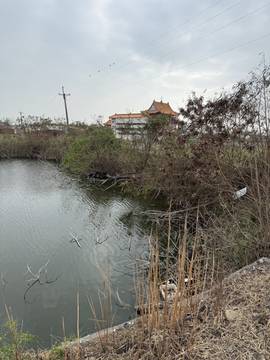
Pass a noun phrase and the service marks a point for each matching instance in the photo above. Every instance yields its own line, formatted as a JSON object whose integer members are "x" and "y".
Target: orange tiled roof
{"x": 162, "y": 108}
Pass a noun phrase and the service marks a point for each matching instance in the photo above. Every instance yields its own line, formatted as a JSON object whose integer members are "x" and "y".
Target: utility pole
{"x": 65, "y": 103}
{"x": 265, "y": 95}
{"x": 21, "y": 118}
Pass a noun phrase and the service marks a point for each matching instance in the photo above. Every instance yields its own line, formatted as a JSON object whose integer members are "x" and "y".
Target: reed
{"x": 171, "y": 302}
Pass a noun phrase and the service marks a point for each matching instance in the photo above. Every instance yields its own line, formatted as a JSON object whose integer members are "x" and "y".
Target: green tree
{"x": 98, "y": 150}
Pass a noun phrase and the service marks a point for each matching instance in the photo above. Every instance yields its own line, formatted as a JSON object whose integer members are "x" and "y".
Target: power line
{"x": 229, "y": 50}
{"x": 224, "y": 51}
{"x": 220, "y": 53}
{"x": 240, "y": 18}
{"x": 188, "y": 21}
{"x": 236, "y": 20}
{"x": 219, "y": 29}
{"x": 206, "y": 21}
{"x": 154, "y": 43}
{"x": 216, "y": 30}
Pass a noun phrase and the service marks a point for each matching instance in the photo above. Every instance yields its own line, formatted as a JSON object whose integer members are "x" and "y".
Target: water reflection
{"x": 40, "y": 209}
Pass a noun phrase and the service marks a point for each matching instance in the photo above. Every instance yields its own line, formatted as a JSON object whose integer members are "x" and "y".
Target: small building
{"x": 128, "y": 126}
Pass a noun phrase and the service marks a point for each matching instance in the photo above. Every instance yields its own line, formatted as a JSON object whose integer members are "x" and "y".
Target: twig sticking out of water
{"x": 119, "y": 301}
{"x": 99, "y": 242}
{"x": 37, "y": 278}
{"x": 75, "y": 240}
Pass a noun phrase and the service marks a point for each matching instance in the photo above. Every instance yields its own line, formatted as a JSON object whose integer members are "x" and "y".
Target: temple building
{"x": 132, "y": 125}
{"x": 161, "y": 108}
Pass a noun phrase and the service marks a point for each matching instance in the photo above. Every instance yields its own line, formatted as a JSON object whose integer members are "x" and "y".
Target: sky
{"x": 117, "y": 56}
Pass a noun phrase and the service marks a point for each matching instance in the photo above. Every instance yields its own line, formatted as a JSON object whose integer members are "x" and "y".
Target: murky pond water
{"x": 42, "y": 211}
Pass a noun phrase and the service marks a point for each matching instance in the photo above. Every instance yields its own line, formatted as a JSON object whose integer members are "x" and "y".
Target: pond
{"x": 60, "y": 242}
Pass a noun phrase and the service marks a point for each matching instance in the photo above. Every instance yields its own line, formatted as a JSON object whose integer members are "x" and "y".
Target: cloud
{"x": 160, "y": 48}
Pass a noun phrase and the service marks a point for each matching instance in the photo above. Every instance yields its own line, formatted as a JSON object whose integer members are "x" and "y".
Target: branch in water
{"x": 36, "y": 279}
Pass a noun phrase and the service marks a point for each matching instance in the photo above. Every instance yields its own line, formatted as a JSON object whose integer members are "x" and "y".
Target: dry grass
{"x": 238, "y": 327}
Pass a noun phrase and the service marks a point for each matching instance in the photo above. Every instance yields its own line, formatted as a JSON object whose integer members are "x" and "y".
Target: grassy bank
{"x": 33, "y": 146}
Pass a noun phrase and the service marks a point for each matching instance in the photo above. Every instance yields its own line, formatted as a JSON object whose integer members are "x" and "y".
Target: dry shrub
{"x": 32, "y": 146}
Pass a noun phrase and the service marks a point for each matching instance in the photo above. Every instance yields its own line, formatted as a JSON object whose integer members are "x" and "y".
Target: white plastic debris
{"x": 238, "y": 194}
{"x": 170, "y": 288}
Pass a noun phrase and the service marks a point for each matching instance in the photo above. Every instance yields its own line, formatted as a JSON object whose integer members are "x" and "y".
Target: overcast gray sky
{"x": 161, "y": 49}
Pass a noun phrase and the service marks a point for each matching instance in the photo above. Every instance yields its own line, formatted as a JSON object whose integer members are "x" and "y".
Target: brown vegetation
{"x": 229, "y": 320}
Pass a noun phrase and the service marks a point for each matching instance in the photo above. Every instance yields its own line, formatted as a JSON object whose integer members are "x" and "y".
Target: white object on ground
{"x": 238, "y": 194}
{"x": 170, "y": 288}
